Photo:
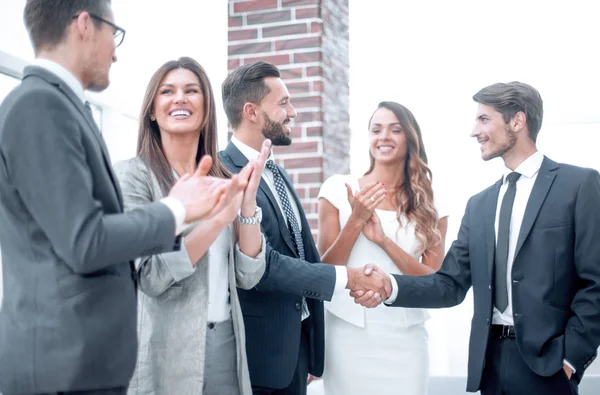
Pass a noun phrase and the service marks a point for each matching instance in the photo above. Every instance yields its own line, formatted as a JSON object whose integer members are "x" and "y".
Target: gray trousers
{"x": 220, "y": 366}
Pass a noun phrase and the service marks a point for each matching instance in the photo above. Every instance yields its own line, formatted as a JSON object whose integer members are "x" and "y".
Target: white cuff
{"x": 178, "y": 210}
{"x": 394, "y": 294}
{"x": 341, "y": 278}
{"x": 569, "y": 365}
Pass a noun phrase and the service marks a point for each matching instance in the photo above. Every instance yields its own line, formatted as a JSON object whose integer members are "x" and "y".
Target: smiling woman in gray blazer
{"x": 190, "y": 326}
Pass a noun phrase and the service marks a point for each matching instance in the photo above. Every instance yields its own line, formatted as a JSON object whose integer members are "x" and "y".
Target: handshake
{"x": 369, "y": 286}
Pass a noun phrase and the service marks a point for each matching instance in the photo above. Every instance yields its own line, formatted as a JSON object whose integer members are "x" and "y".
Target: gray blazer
{"x": 68, "y": 317}
{"x": 173, "y": 304}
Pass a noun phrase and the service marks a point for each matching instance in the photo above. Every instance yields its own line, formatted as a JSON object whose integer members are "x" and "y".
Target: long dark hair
{"x": 149, "y": 145}
{"x": 415, "y": 197}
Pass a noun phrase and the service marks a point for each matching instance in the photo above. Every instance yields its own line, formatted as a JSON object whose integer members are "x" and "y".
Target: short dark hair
{"x": 246, "y": 85}
{"x": 46, "y": 21}
{"x": 511, "y": 98}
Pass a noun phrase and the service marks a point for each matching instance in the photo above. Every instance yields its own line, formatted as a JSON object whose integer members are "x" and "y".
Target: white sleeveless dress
{"x": 373, "y": 351}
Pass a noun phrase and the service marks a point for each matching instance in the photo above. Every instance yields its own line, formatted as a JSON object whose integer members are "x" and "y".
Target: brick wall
{"x": 308, "y": 41}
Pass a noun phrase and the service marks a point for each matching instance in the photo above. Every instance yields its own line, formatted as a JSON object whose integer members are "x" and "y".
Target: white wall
{"x": 433, "y": 56}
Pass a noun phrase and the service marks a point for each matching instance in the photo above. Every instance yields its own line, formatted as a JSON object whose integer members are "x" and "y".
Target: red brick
{"x": 312, "y": 192}
{"x": 235, "y": 21}
{"x": 293, "y": 73}
{"x": 316, "y": 27}
{"x": 296, "y": 133}
{"x": 314, "y": 131}
{"x": 307, "y": 101}
{"x": 318, "y": 86}
{"x": 277, "y": 60}
{"x": 246, "y": 34}
{"x": 297, "y": 148}
{"x": 254, "y": 5}
{"x": 268, "y": 17}
{"x": 313, "y": 223}
{"x": 309, "y": 116}
{"x": 307, "y": 207}
{"x": 233, "y": 64}
{"x": 296, "y": 3}
{"x": 314, "y": 71}
{"x": 307, "y": 178}
{"x": 306, "y": 42}
{"x": 298, "y": 87}
{"x": 249, "y": 48}
{"x": 310, "y": 12}
{"x": 307, "y": 57}
{"x": 301, "y": 163}
{"x": 284, "y": 30}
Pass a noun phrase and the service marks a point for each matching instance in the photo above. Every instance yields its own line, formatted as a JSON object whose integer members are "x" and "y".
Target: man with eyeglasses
{"x": 68, "y": 315}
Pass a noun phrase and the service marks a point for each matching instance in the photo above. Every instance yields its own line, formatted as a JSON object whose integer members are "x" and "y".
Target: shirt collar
{"x": 65, "y": 75}
{"x": 528, "y": 168}
{"x": 249, "y": 152}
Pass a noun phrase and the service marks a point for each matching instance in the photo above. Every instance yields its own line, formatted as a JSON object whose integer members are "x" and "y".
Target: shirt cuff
{"x": 394, "y": 294}
{"x": 341, "y": 278}
{"x": 569, "y": 365}
{"x": 178, "y": 210}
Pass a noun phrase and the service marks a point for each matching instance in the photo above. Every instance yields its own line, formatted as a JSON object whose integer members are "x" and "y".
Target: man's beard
{"x": 275, "y": 132}
{"x": 511, "y": 140}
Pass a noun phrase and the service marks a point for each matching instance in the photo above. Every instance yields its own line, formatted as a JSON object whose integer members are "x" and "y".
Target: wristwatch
{"x": 250, "y": 220}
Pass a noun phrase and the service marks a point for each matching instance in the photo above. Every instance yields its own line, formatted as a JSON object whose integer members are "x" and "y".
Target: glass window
{"x": 7, "y": 83}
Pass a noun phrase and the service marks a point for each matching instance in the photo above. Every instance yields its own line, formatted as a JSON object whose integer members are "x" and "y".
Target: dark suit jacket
{"x": 68, "y": 317}
{"x": 272, "y": 310}
{"x": 555, "y": 275}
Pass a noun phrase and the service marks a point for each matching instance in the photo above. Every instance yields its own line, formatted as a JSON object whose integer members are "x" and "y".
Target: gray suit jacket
{"x": 173, "y": 304}
{"x": 68, "y": 316}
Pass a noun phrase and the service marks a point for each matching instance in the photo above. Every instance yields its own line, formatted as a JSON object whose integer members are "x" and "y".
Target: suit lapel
{"x": 92, "y": 127}
{"x": 538, "y": 195}
{"x": 309, "y": 251}
{"x": 491, "y": 205}
{"x": 283, "y": 229}
{"x": 239, "y": 160}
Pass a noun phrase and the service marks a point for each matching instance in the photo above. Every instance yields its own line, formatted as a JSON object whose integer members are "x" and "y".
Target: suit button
{"x": 298, "y": 305}
{"x": 487, "y": 321}
{"x": 490, "y": 287}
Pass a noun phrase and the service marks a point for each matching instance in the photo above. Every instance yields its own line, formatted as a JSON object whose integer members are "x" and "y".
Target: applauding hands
{"x": 204, "y": 196}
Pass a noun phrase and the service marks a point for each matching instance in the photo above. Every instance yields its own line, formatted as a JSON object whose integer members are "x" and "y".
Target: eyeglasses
{"x": 119, "y": 32}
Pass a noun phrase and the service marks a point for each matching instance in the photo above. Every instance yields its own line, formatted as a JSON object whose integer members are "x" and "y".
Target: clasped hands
{"x": 369, "y": 286}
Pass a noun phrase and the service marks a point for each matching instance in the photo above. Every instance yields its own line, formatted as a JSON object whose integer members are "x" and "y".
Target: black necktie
{"x": 501, "y": 258}
{"x": 293, "y": 226}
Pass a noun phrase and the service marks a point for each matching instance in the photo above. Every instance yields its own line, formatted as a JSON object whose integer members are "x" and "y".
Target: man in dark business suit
{"x": 68, "y": 316}
{"x": 283, "y": 314}
{"x": 529, "y": 246}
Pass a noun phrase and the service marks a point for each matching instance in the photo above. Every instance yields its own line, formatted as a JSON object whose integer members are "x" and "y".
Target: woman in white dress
{"x": 387, "y": 217}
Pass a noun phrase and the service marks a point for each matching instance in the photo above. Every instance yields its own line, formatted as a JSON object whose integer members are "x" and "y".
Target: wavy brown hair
{"x": 415, "y": 196}
{"x": 149, "y": 146}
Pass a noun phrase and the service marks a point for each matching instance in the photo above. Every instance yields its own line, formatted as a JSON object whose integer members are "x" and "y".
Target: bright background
{"x": 431, "y": 56}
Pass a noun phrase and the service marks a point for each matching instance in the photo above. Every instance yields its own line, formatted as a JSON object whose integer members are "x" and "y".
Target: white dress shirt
{"x": 176, "y": 207}
{"x": 341, "y": 272}
{"x": 219, "y": 309}
{"x": 529, "y": 170}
